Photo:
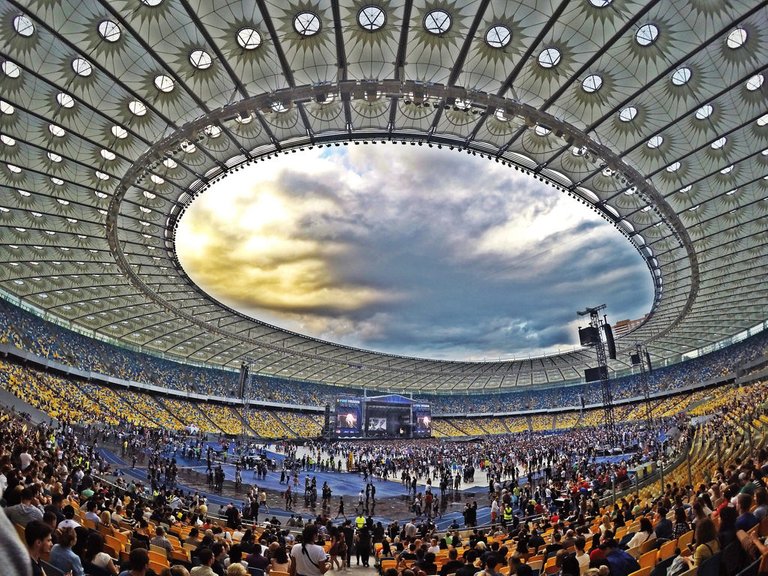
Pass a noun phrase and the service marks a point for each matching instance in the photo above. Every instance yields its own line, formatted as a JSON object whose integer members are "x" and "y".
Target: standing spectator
{"x": 307, "y": 558}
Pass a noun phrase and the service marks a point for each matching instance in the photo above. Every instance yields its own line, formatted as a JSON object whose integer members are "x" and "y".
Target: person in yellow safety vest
{"x": 508, "y": 515}
{"x": 360, "y": 521}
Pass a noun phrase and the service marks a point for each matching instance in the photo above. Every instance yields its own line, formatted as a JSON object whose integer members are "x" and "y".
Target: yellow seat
{"x": 685, "y": 540}
{"x": 642, "y": 572}
{"x": 158, "y": 567}
{"x": 647, "y": 560}
{"x": 667, "y": 550}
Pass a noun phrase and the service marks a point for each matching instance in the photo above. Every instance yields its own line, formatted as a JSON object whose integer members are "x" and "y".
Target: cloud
{"x": 410, "y": 251}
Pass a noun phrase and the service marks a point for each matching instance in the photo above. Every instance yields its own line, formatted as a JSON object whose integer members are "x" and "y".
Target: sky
{"x": 410, "y": 250}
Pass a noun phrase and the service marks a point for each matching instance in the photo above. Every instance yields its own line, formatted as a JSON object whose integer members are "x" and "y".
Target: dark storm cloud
{"x": 427, "y": 253}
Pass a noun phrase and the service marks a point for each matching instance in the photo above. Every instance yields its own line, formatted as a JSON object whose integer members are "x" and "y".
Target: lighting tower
{"x": 643, "y": 359}
{"x": 591, "y": 336}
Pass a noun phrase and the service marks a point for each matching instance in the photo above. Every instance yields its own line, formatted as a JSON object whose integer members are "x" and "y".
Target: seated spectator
{"x": 746, "y": 519}
{"x": 428, "y": 566}
{"x": 62, "y": 556}
{"x": 570, "y": 566}
{"x": 727, "y": 531}
{"x": 257, "y": 559}
{"x": 664, "y": 528}
{"x": 161, "y": 541}
{"x": 237, "y": 570}
{"x": 552, "y": 548}
{"x": 707, "y": 544}
{"x": 643, "y": 535}
{"x": 517, "y": 567}
{"x": 91, "y": 512}
{"x": 37, "y": 535}
{"x": 490, "y": 567}
{"x": 619, "y": 561}
{"x": 761, "y": 500}
{"x": 138, "y": 563}
{"x": 177, "y": 570}
{"x": 94, "y": 554}
{"x": 279, "y": 560}
{"x": 27, "y": 510}
{"x": 205, "y": 556}
{"x": 194, "y": 537}
{"x": 681, "y": 525}
{"x": 581, "y": 556}
{"x": 69, "y": 518}
{"x": 453, "y": 563}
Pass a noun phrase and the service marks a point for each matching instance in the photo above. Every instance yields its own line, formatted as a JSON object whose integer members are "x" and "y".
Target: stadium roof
{"x": 115, "y": 114}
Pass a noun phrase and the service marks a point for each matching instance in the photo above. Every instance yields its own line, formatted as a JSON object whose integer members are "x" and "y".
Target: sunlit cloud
{"x": 410, "y": 251}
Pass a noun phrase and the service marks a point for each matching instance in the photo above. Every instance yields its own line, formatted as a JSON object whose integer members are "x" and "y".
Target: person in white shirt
{"x": 581, "y": 555}
{"x": 69, "y": 518}
{"x": 308, "y": 559}
{"x": 643, "y": 535}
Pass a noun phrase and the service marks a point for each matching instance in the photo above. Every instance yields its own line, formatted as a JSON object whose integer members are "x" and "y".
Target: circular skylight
{"x": 628, "y": 114}
{"x": 6, "y": 108}
{"x": 13, "y": 168}
{"x": 727, "y": 169}
{"x": 541, "y": 130}
{"x": 437, "y": 22}
{"x": 53, "y": 157}
{"x": 736, "y": 38}
{"x": 549, "y": 58}
{"x": 164, "y": 83}
{"x": 65, "y": 100}
{"x": 188, "y": 147}
{"x": 719, "y": 143}
{"x": 755, "y": 82}
{"x": 674, "y": 167}
{"x": 655, "y": 141}
{"x": 200, "y": 59}
{"x": 109, "y": 30}
{"x": 704, "y": 112}
{"x": 152, "y": 3}
{"x": 170, "y": 163}
{"x": 681, "y": 76}
{"x": 11, "y": 69}
{"x": 647, "y": 34}
{"x": 108, "y": 155}
{"x": 248, "y": 38}
{"x": 136, "y": 107}
{"x": 763, "y": 120}
{"x": 498, "y": 36}
{"x": 600, "y": 3}
{"x": 7, "y": 140}
{"x": 23, "y": 25}
{"x": 243, "y": 119}
{"x": 82, "y": 67}
{"x": 119, "y": 132}
{"x": 57, "y": 131}
{"x": 592, "y": 83}
{"x": 157, "y": 179}
{"x": 101, "y": 175}
{"x": 371, "y": 18}
{"x": 306, "y": 23}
